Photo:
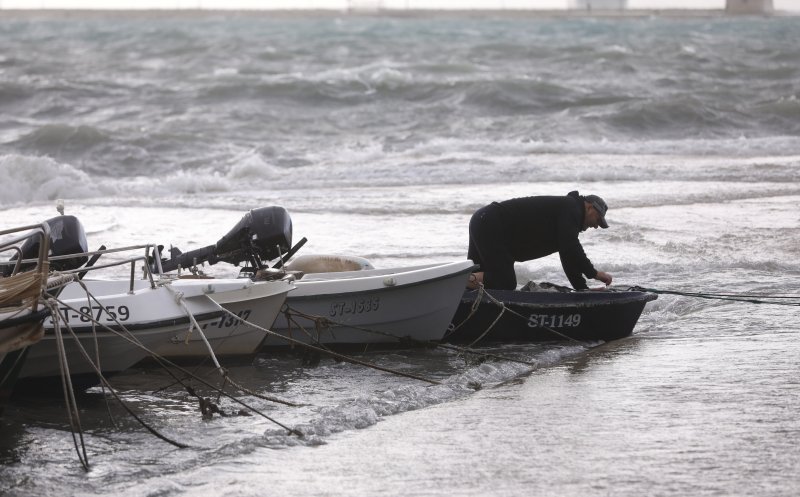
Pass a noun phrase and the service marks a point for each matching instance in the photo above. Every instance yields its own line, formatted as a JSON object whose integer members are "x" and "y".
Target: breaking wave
{"x": 35, "y": 179}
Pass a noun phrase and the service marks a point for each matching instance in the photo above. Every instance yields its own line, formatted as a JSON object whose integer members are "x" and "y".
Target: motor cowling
{"x": 262, "y": 235}
{"x": 265, "y": 232}
{"x": 67, "y": 236}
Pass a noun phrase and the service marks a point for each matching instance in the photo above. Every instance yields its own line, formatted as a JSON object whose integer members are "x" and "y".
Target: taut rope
{"x": 751, "y": 298}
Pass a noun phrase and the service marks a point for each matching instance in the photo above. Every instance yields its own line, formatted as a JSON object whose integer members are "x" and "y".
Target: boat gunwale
{"x": 562, "y": 301}
{"x": 296, "y": 296}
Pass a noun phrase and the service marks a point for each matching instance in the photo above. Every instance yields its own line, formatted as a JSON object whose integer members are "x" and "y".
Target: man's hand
{"x": 475, "y": 280}
{"x": 604, "y": 277}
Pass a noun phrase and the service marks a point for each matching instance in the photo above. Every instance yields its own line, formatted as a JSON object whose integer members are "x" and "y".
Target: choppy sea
{"x": 381, "y": 135}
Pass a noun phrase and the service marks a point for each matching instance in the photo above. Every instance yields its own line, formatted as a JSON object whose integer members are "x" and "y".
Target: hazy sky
{"x": 343, "y": 4}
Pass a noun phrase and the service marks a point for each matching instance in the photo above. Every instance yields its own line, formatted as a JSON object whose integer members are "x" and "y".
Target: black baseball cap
{"x": 600, "y": 206}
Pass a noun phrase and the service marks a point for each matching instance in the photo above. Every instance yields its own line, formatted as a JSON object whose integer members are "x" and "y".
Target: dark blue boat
{"x": 536, "y": 316}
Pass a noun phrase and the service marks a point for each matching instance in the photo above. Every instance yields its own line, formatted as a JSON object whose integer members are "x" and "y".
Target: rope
{"x": 108, "y": 385}
{"x": 736, "y": 297}
{"x": 21, "y": 289}
{"x": 194, "y": 326}
{"x": 319, "y": 321}
{"x": 465, "y": 350}
{"x": 224, "y": 372}
{"x": 69, "y": 394}
{"x": 73, "y": 277}
{"x": 329, "y": 352}
{"x": 503, "y": 309}
{"x": 165, "y": 362}
{"x": 473, "y": 309}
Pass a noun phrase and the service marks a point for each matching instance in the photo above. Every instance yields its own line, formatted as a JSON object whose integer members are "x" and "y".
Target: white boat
{"x": 118, "y": 322}
{"x": 162, "y": 317}
{"x": 370, "y": 306}
{"x": 337, "y": 300}
{"x": 21, "y": 310}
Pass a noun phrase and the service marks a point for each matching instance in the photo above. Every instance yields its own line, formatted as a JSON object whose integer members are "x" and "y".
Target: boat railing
{"x": 151, "y": 253}
{"x": 22, "y": 288}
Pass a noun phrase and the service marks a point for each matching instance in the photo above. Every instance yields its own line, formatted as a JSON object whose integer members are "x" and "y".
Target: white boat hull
{"x": 382, "y": 306}
{"x": 157, "y": 320}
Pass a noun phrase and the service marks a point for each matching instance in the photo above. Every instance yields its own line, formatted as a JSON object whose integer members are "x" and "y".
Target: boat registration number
{"x": 355, "y": 306}
{"x": 96, "y": 313}
{"x": 554, "y": 320}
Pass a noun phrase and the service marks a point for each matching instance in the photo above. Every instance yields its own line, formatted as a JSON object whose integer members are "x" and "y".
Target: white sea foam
{"x": 250, "y": 167}
{"x": 366, "y": 410}
{"x": 33, "y": 179}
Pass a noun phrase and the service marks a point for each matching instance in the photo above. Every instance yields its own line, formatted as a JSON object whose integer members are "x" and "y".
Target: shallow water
{"x": 381, "y": 136}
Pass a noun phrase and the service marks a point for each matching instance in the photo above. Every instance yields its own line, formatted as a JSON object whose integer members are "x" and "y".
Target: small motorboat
{"x": 338, "y": 299}
{"x": 119, "y": 322}
{"x": 162, "y": 319}
{"x": 535, "y": 316}
{"x": 21, "y": 311}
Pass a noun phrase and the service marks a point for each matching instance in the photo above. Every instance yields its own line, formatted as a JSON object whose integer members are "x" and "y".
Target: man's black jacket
{"x": 538, "y": 226}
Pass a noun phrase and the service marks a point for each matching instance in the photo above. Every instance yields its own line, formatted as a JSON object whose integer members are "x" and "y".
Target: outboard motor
{"x": 261, "y": 235}
{"x": 265, "y": 233}
{"x": 67, "y": 236}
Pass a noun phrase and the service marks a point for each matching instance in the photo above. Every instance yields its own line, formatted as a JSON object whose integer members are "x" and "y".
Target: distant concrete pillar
{"x": 748, "y": 6}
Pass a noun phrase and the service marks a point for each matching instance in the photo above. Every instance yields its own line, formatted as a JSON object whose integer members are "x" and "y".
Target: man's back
{"x": 540, "y": 226}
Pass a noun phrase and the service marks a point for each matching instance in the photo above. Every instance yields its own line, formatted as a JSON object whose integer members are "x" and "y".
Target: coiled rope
{"x": 22, "y": 289}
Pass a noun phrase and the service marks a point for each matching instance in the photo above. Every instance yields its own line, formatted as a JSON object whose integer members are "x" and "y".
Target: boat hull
{"x": 157, "y": 322}
{"x": 15, "y": 342}
{"x": 389, "y": 306}
{"x": 547, "y": 316}
{"x": 259, "y": 304}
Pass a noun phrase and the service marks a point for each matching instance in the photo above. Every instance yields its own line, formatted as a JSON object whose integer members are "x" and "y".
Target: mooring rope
{"x": 73, "y": 277}
{"x": 319, "y": 322}
{"x": 472, "y": 310}
{"x": 167, "y": 364}
{"x": 194, "y": 326}
{"x": 329, "y": 352}
{"x": 179, "y": 297}
{"x": 503, "y": 309}
{"x": 105, "y": 382}
{"x": 225, "y": 372}
{"x": 525, "y": 318}
{"x": 69, "y": 394}
{"x": 423, "y": 343}
{"x": 754, "y": 298}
